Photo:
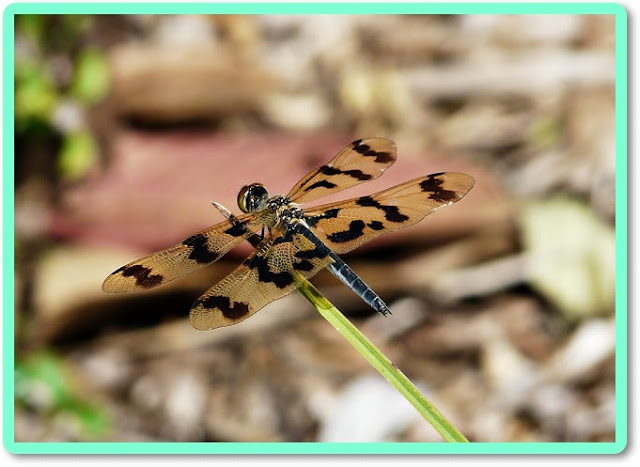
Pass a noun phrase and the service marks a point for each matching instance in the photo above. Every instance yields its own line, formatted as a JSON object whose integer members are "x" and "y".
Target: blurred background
{"x": 503, "y": 304}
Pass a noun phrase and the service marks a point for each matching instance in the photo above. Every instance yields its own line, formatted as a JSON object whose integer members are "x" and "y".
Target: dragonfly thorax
{"x": 283, "y": 208}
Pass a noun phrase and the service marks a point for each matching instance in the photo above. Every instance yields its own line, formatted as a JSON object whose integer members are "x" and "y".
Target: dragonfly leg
{"x": 224, "y": 211}
{"x": 255, "y": 239}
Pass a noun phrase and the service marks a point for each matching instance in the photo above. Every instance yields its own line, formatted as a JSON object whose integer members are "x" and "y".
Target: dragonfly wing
{"x": 276, "y": 268}
{"x": 345, "y": 225}
{"x": 190, "y": 255}
{"x": 360, "y": 161}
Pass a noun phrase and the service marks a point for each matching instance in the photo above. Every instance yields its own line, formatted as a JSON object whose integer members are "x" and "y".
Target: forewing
{"x": 362, "y": 160}
{"x": 346, "y": 225}
{"x": 192, "y": 254}
{"x": 275, "y": 269}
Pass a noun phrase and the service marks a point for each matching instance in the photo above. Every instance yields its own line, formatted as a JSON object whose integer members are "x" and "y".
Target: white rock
{"x": 590, "y": 345}
{"x": 185, "y": 403}
{"x": 368, "y": 410}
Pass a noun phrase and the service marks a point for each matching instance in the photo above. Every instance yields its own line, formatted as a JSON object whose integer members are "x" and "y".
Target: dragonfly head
{"x": 252, "y": 197}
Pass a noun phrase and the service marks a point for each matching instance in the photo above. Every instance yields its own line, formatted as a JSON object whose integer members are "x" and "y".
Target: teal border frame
{"x": 317, "y": 448}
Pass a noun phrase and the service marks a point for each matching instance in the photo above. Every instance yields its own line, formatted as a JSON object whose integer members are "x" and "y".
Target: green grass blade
{"x": 381, "y": 363}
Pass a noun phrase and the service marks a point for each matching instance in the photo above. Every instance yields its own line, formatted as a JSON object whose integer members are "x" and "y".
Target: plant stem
{"x": 381, "y": 363}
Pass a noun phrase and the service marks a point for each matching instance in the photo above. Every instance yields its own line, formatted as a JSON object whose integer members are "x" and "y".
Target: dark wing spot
{"x": 304, "y": 265}
{"x": 367, "y": 201}
{"x": 200, "y": 251}
{"x": 143, "y": 276}
{"x": 231, "y": 310}
{"x": 321, "y": 184}
{"x": 354, "y": 173}
{"x": 328, "y": 214}
{"x": 433, "y": 184}
{"x": 364, "y": 149}
{"x": 376, "y": 225}
{"x": 286, "y": 237}
{"x": 310, "y": 254}
{"x": 355, "y": 230}
{"x": 328, "y": 170}
{"x": 391, "y": 213}
{"x": 260, "y": 263}
{"x": 358, "y": 174}
{"x": 236, "y": 230}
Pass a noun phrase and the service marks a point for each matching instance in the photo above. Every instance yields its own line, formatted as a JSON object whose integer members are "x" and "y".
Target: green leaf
{"x": 93, "y": 420}
{"x": 78, "y": 155}
{"x": 31, "y": 26}
{"x": 41, "y": 380}
{"x": 44, "y": 383}
{"x": 36, "y": 96}
{"x": 90, "y": 81}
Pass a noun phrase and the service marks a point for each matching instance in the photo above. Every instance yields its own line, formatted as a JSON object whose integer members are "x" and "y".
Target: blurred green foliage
{"x": 57, "y": 66}
{"x": 54, "y": 33}
{"x": 545, "y": 132}
{"x": 78, "y": 154}
{"x": 31, "y": 26}
{"x": 45, "y": 384}
{"x": 91, "y": 76}
{"x": 36, "y": 97}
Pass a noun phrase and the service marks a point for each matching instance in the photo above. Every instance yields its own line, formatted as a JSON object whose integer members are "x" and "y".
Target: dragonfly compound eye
{"x": 252, "y": 197}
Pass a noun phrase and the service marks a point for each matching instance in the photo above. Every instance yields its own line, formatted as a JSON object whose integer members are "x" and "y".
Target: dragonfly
{"x": 292, "y": 244}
